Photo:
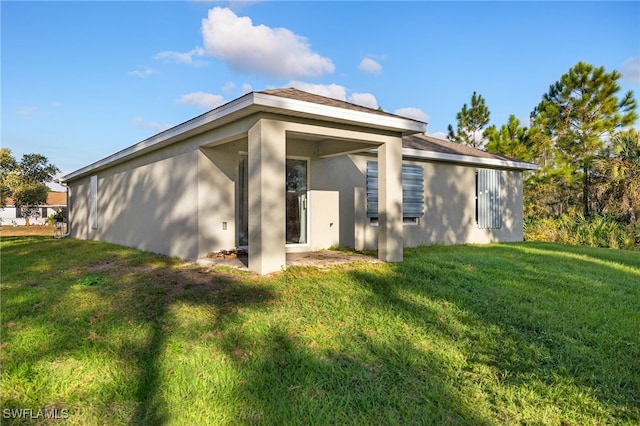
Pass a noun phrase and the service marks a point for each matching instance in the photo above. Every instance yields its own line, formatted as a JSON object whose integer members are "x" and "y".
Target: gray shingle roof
{"x": 416, "y": 141}
{"x": 433, "y": 144}
{"x": 300, "y": 95}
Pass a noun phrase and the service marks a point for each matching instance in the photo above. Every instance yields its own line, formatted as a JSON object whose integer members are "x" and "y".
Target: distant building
{"x": 56, "y": 201}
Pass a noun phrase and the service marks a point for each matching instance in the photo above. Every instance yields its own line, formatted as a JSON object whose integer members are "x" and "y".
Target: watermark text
{"x": 34, "y": 414}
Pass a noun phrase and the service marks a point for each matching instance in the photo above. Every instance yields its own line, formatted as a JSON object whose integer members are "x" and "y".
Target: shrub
{"x": 597, "y": 231}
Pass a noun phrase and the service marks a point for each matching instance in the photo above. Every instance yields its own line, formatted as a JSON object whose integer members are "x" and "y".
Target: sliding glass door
{"x": 243, "y": 205}
{"x": 296, "y": 187}
{"x": 296, "y": 202}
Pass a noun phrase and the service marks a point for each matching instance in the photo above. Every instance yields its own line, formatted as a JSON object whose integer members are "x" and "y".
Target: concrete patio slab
{"x": 319, "y": 259}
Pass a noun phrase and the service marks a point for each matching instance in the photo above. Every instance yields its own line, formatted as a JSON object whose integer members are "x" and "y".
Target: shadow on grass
{"x": 102, "y": 344}
{"x": 114, "y": 349}
{"x": 555, "y": 323}
{"x": 110, "y": 352}
{"x": 221, "y": 294}
{"x": 286, "y": 382}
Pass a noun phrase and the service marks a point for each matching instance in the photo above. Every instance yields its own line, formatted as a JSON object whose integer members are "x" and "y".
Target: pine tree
{"x": 578, "y": 112}
{"x": 471, "y": 121}
{"x": 511, "y": 140}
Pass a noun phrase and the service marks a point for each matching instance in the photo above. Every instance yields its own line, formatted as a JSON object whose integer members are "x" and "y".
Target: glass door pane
{"x": 296, "y": 207}
{"x": 243, "y": 207}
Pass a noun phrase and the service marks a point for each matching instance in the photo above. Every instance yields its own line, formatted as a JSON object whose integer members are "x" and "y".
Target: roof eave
{"x": 164, "y": 138}
{"x": 467, "y": 159}
{"x": 296, "y": 107}
{"x": 248, "y": 104}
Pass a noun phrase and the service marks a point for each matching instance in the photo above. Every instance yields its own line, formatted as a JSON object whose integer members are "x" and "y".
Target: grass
{"x": 530, "y": 333}
{"x": 21, "y": 231}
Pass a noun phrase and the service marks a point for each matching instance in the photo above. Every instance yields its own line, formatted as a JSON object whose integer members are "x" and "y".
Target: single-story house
{"x": 283, "y": 170}
{"x": 10, "y": 215}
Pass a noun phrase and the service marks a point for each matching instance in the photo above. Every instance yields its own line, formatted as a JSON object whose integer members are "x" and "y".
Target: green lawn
{"x": 528, "y": 333}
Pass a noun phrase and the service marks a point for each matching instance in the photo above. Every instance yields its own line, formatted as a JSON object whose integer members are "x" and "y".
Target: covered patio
{"x": 256, "y": 173}
{"x": 281, "y": 130}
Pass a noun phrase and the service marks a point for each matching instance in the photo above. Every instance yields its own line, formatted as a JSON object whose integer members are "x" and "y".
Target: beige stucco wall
{"x": 172, "y": 201}
{"x": 181, "y": 200}
{"x": 151, "y": 207}
{"x": 449, "y": 217}
{"x": 217, "y": 200}
{"x": 178, "y": 200}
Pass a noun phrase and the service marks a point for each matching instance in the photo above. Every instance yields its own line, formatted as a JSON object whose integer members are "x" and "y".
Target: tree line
{"x": 581, "y": 139}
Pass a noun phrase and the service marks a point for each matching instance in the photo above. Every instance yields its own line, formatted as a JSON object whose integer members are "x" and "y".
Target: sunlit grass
{"x": 499, "y": 334}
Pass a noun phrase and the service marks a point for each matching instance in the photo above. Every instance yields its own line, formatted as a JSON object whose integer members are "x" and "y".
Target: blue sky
{"x": 82, "y": 80}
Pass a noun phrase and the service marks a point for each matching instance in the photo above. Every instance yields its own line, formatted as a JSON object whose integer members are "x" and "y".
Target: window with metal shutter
{"x": 412, "y": 190}
{"x": 93, "y": 202}
{"x": 488, "y": 203}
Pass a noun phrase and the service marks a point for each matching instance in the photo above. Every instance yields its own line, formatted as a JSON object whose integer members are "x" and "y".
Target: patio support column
{"x": 266, "y": 216}
{"x": 390, "y": 239}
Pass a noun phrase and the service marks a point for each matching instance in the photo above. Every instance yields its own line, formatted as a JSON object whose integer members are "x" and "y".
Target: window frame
{"x": 93, "y": 202}
{"x": 407, "y": 221}
{"x": 409, "y": 190}
{"x": 308, "y": 225}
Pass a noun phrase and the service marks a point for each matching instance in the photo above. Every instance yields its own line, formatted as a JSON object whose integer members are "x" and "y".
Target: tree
{"x": 617, "y": 173}
{"x": 578, "y": 112}
{"x": 548, "y": 189}
{"x": 471, "y": 121}
{"x": 7, "y": 165}
{"x": 511, "y": 140}
{"x": 545, "y": 188}
{"x": 36, "y": 168}
{"x": 26, "y": 181}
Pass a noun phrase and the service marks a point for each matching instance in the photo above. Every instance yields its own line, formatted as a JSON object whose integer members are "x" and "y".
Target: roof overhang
{"x": 467, "y": 159}
{"x": 299, "y": 108}
{"x": 252, "y": 103}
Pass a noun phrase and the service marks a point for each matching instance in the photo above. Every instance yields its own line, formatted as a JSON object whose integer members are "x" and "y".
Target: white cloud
{"x": 56, "y": 104}
{"x": 158, "y": 127}
{"x": 439, "y": 135}
{"x": 276, "y": 52}
{"x": 631, "y": 70}
{"x": 153, "y": 125}
{"x": 415, "y": 113}
{"x": 336, "y": 91}
{"x": 246, "y": 88}
{"x": 364, "y": 99}
{"x": 142, "y": 72}
{"x": 229, "y": 87}
{"x": 28, "y": 111}
{"x": 332, "y": 90}
{"x": 183, "y": 57}
{"x": 202, "y": 99}
{"x": 370, "y": 66}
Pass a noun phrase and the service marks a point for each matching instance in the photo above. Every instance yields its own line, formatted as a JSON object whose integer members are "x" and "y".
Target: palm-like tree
{"x": 618, "y": 170}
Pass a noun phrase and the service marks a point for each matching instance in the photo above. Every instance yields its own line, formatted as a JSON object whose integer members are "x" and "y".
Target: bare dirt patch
{"x": 26, "y": 231}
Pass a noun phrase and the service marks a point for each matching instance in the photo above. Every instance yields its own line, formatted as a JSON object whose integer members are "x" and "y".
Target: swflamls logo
{"x": 30, "y": 413}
